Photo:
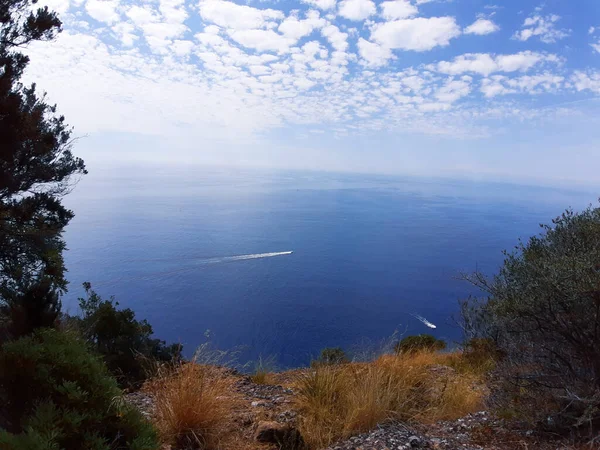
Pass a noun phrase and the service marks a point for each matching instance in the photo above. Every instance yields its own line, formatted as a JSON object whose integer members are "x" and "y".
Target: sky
{"x": 486, "y": 89}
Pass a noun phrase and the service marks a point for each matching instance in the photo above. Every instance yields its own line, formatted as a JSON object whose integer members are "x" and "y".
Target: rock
{"x": 270, "y": 431}
{"x": 285, "y": 436}
{"x": 414, "y": 441}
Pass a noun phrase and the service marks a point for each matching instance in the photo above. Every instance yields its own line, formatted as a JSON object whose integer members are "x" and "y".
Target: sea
{"x": 277, "y": 265}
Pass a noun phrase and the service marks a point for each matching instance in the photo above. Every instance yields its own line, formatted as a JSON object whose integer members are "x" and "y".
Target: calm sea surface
{"x": 192, "y": 249}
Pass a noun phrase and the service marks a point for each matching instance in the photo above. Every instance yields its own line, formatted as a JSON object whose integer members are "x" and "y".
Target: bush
{"x": 331, "y": 356}
{"x": 125, "y": 343}
{"x": 418, "y": 343}
{"x": 543, "y": 314}
{"x": 56, "y": 395}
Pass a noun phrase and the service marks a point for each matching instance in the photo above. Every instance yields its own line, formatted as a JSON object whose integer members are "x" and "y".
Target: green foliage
{"x": 331, "y": 356}
{"x": 37, "y": 307}
{"x": 56, "y": 395}
{"x": 125, "y": 344}
{"x": 419, "y": 342}
{"x": 543, "y": 314}
{"x": 36, "y": 170}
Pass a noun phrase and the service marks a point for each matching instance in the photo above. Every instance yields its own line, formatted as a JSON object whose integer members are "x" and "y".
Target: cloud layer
{"x": 233, "y": 71}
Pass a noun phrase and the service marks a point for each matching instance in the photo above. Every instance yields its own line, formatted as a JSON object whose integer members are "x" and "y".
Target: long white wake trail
{"x": 218, "y": 260}
{"x": 425, "y": 322}
{"x": 243, "y": 257}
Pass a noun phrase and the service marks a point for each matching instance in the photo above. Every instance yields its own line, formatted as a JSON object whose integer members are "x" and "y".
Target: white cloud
{"x": 125, "y": 33}
{"x": 357, "y": 9}
{"x": 159, "y": 25}
{"x": 173, "y": 11}
{"x": 523, "y": 61}
{"x": 163, "y": 30}
{"x": 253, "y": 70}
{"x": 482, "y": 27}
{"x": 182, "y": 47}
{"x": 589, "y": 81}
{"x": 262, "y": 40}
{"x": 419, "y": 34}
{"x": 543, "y": 27}
{"x": 336, "y": 38}
{"x": 434, "y": 107}
{"x": 596, "y": 46}
{"x": 304, "y": 83}
{"x": 321, "y": 4}
{"x": 530, "y": 84}
{"x": 485, "y": 63}
{"x": 103, "y": 10}
{"x": 142, "y": 15}
{"x": 374, "y": 55}
{"x": 493, "y": 86}
{"x": 398, "y": 9}
{"x": 259, "y": 70}
{"x": 537, "y": 84}
{"x": 295, "y": 29}
{"x": 60, "y": 6}
{"x": 454, "y": 90}
{"x": 239, "y": 17}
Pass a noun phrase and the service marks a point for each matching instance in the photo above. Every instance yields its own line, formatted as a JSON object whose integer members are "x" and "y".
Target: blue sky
{"x": 463, "y": 88}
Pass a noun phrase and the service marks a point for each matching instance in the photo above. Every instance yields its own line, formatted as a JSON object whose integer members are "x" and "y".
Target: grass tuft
{"x": 263, "y": 370}
{"x": 336, "y": 402}
{"x": 192, "y": 406}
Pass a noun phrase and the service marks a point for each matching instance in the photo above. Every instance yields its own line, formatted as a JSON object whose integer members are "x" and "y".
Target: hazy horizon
{"x": 103, "y": 167}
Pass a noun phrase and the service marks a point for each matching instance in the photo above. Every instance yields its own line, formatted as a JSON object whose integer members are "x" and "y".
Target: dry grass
{"x": 336, "y": 402}
{"x": 193, "y": 406}
{"x": 263, "y": 371}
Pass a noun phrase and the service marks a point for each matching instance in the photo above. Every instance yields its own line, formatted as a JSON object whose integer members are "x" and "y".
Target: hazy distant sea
{"x": 196, "y": 249}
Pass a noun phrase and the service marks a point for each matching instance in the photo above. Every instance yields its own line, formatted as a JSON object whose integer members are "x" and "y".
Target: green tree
{"x": 125, "y": 344}
{"x": 419, "y": 342}
{"x": 36, "y": 168}
{"x": 542, "y": 311}
{"x": 331, "y": 356}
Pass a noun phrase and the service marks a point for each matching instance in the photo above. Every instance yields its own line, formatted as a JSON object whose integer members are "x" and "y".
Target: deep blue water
{"x": 368, "y": 251}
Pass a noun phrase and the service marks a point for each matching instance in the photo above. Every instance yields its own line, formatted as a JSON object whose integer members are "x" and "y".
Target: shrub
{"x": 125, "y": 343}
{"x": 542, "y": 311}
{"x": 331, "y": 356}
{"x": 419, "y": 343}
{"x": 192, "y": 407}
{"x": 56, "y": 395}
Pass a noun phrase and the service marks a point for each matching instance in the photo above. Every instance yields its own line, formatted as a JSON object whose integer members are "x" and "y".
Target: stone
{"x": 272, "y": 432}
{"x": 285, "y": 436}
{"x": 414, "y": 441}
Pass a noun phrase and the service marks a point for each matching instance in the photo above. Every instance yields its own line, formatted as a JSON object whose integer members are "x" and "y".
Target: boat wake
{"x": 425, "y": 322}
{"x": 242, "y": 257}
{"x": 194, "y": 264}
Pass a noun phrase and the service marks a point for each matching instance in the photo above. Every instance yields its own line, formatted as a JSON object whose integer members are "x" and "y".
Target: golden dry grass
{"x": 264, "y": 369}
{"x": 262, "y": 377}
{"x": 193, "y": 406}
{"x": 338, "y": 401}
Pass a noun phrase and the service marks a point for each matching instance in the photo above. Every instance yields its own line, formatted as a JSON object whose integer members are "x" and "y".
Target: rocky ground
{"x": 266, "y": 418}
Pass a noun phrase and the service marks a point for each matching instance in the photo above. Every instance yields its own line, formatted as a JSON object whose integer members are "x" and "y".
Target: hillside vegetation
{"x": 530, "y": 356}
